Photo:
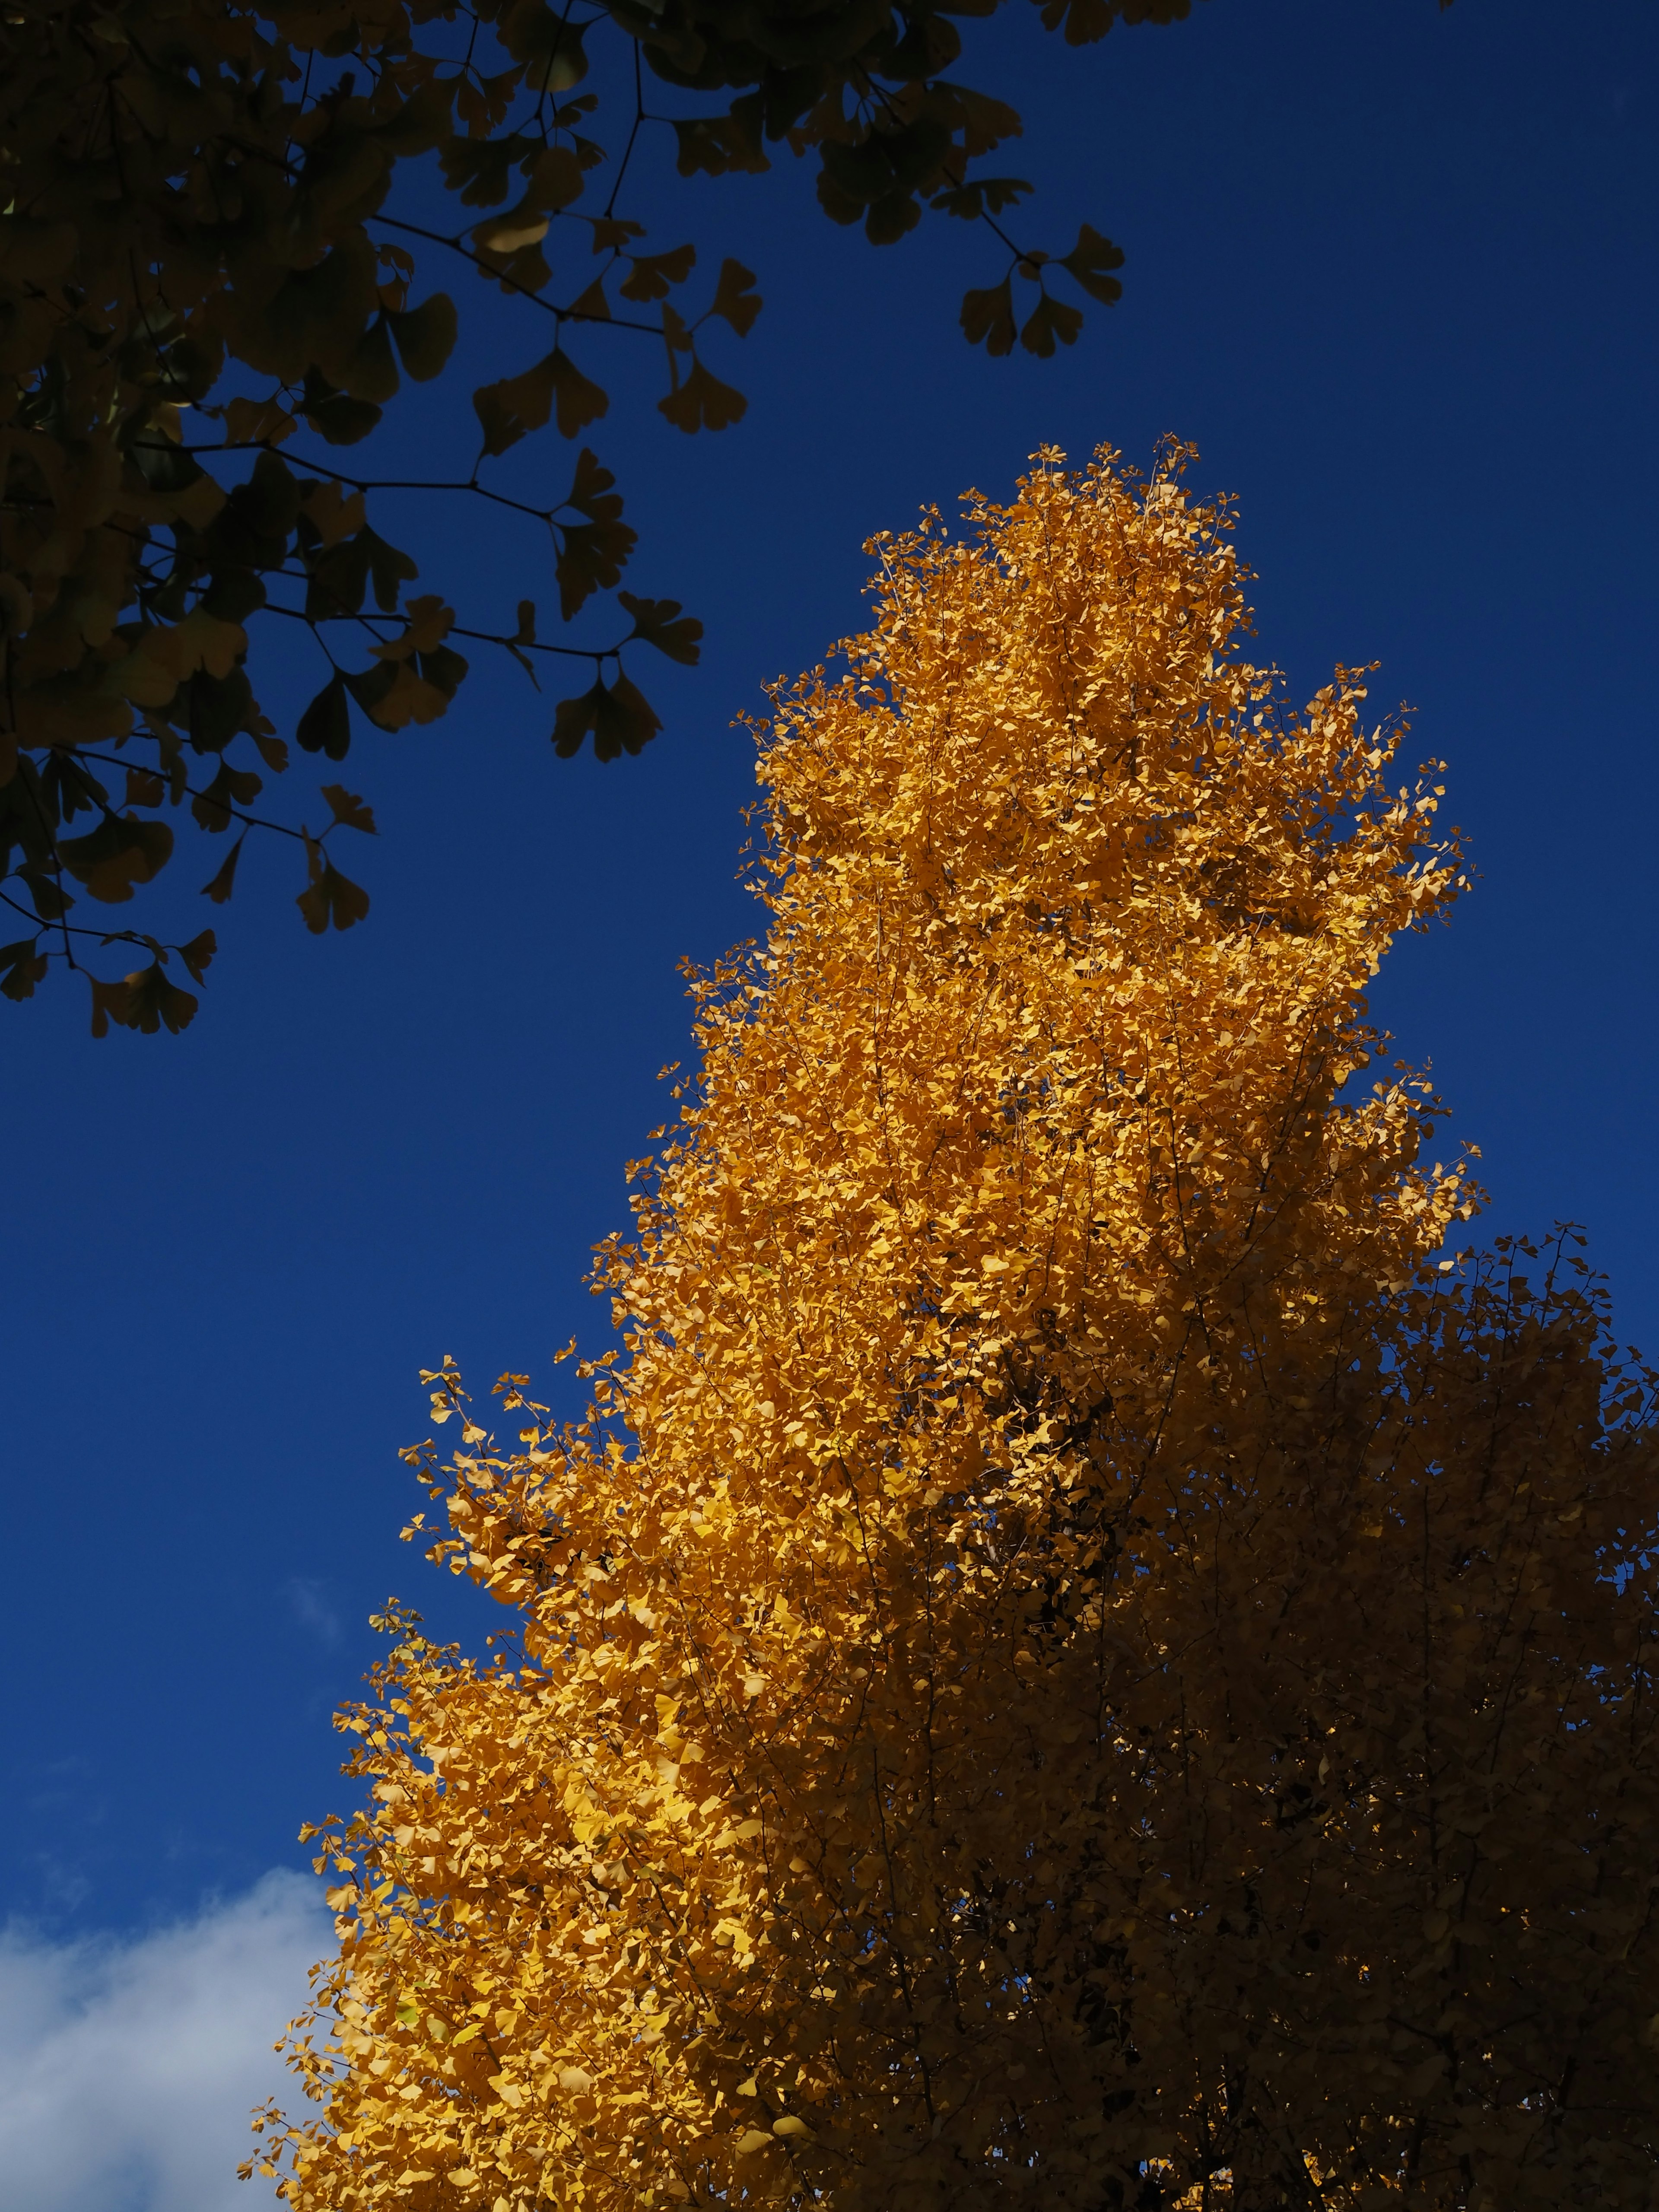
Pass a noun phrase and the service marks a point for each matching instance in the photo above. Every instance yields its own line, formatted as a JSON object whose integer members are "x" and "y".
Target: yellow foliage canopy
{"x": 1074, "y": 1662}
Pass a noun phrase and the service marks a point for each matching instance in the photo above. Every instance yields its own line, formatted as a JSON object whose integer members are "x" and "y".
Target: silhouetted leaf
{"x": 122, "y": 851}
{"x": 659, "y": 622}
{"x": 329, "y": 896}
{"x": 390, "y": 567}
{"x": 198, "y": 953}
{"x": 735, "y": 297}
{"x": 372, "y": 371}
{"x": 325, "y": 725}
{"x": 334, "y": 414}
{"x": 653, "y": 275}
{"x": 1050, "y": 319}
{"x": 231, "y": 788}
{"x": 983, "y": 196}
{"x": 1090, "y": 260}
{"x": 507, "y": 411}
{"x": 348, "y": 809}
{"x": 621, "y": 719}
{"x": 23, "y": 968}
{"x": 224, "y": 883}
{"x": 338, "y": 580}
{"x": 110, "y": 1002}
{"x": 702, "y": 401}
{"x": 547, "y": 42}
{"x": 153, "y": 1001}
{"x": 990, "y": 315}
{"x": 717, "y": 143}
{"x": 1086, "y": 20}
{"x": 425, "y": 336}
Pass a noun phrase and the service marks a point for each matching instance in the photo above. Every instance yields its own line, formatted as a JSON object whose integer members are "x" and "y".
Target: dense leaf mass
{"x": 202, "y": 258}
{"x": 1076, "y": 1661}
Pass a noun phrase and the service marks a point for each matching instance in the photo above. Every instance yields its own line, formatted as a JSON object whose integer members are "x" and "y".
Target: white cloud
{"x": 128, "y": 2068}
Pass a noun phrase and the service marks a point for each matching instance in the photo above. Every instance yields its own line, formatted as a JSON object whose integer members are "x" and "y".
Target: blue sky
{"x": 1392, "y": 269}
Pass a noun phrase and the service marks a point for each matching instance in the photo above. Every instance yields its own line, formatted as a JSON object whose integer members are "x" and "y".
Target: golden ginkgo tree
{"x": 1076, "y": 1659}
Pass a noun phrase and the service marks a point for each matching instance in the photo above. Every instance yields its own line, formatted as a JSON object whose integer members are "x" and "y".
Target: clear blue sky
{"x": 1393, "y": 271}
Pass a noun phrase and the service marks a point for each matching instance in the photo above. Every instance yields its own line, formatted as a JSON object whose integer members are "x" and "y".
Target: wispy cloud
{"x": 309, "y": 1600}
{"x": 128, "y": 2069}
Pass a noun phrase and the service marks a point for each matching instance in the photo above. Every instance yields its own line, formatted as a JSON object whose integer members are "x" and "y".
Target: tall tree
{"x": 1075, "y": 1660}
{"x": 212, "y": 211}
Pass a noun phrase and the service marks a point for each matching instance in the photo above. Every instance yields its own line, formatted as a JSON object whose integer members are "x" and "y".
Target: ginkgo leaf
{"x": 339, "y": 579}
{"x": 154, "y": 1002}
{"x": 334, "y": 414}
{"x": 224, "y": 882}
{"x": 1050, "y": 319}
{"x": 509, "y": 410}
{"x": 24, "y": 966}
{"x": 1084, "y": 20}
{"x": 592, "y": 553}
{"x": 527, "y": 228}
{"x": 110, "y": 1002}
{"x": 215, "y": 808}
{"x": 621, "y": 719}
{"x": 716, "y": 145}
{"x": 989, "y": 315}
{"x": 325, "y": 725}
{"x": 660, "y": 623}
{"x": 592, "y": 304}
{"x": 330, "y": 896}
{"x": 425, "y": 336}
{"x": 702, "y": 401}
{"x": 1091, "y": 260}
{"x": 348, "y": 809}
{"x": 981, "y": 196}
{"x": 736, "y": 298}
{"x": 120, "y": 853}
{"x": 651, "y": 275}
{"x": 198, "y": 954}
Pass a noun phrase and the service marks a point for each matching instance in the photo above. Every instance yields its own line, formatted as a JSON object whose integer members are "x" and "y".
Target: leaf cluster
{"x": 208, "y": 287}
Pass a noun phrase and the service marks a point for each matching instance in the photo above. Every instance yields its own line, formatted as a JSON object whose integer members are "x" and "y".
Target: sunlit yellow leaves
{"x": 1070, "y": 1646}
